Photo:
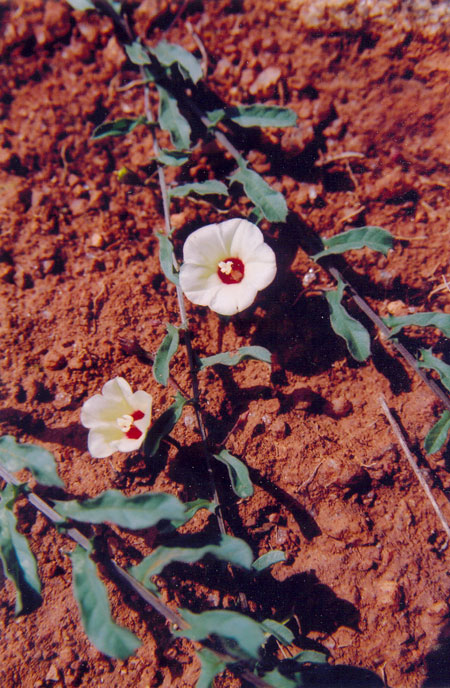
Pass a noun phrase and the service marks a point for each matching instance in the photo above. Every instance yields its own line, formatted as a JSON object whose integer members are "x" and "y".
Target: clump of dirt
{"x": 365, "y": 571}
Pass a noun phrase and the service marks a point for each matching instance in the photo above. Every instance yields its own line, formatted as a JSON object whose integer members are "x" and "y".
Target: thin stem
{"x": 402, "y": 441}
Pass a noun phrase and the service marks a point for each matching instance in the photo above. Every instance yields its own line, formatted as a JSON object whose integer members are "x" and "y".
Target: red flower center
{"x": 231, "y": 270}
{"x": 134, "y": 433}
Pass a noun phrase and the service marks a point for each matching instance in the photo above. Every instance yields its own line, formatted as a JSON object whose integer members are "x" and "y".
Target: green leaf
{"x": 437, "y": 436}
{"x": 268, "y": 559}
{"x": 171, "y": 119}
{"x": 310, "y": 657}
{"x": 140, "y": 511}
{"x": 117, "y": 127}
{"x": 281, "y": 632}
{"x": 215, "y": 116}
{"x": 434, "y": 363}
{"x": 81, "y": 4}
{"x": 190, "y": 549}
{"x": 164, "y": 354}
{"x": 19, "y": 564}
{"x": 238, "y": 472}
{"x": 206, "y": 188}
{"x": 38, "y": 460}
{"x": 262, "y": 116}
{"x": 432, "y": 319}
{"x": 274, "y": 678}
{"x": 269, "y": 201}
{"x": 92, "y": 600}
{"x": 190, "y": 509}
{"x": 257, "y": 353}
{"x": 137, "y": 53}
{"x": 355, "y": 334}
{"x": 166, "y": 258}
{"x": 376, "y": 238}
{"x": 212, "y": 666}
{"x": 168, "y": 54}
{"x": 163, "y": 426}
{"x": 173, "y": 158}
{"x": 241, "y": 636}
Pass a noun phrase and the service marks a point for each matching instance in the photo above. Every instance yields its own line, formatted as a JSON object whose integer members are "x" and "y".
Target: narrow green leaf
{"x": 164, "y": 355}
{"x": 244, "y": 635}
{"x": 81, "y": 4}
{"x": 137, "y": 53}
{"x": 257, "y": 353}
{"x": 269, "y": 201}
{"x": 238, "y": 472}
{"x": 171, "y": 119}
{"x": 166, "y": 258}
{"x": 163, "y": 426}
{"x": 172, "y": 158}
{"x": 281, "y": 632}
{"x": 215, "y": 116}
{"x": 268, "y": 559}
{"x": 92, "y": 600}
{"x": 262, "y": 116}
{"x": 140, "y": 511}
{"x": 38, "y": 460}
{"x": 355, "y": 334}
{"x": 190, "y": 509}
{"x": 117, "y": 127}
{"x": 19, "y": 564}
{"x": 437, "y": 436}
{"x": 168, "y": 54}
{"x": 190, "y": 549}
{"x": 434, "y": 363}
{"x": 206, "y": 188}
{"x": 310, "y": 657}
{"x": 277, "y": 680}
{"x": 376, "y": 238}
{"x": 212, "y": 666}
{"x": 439, "y": 320}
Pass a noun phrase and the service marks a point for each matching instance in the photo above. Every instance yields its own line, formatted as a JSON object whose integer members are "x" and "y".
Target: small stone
{"x": 52, "y": 674}
{"x": 78, "y": 206}
{"x": 97, "y": 240}
{"x": 396, "y": 308}
{"x": 54, "y": 360}
{"x": 338, "y": 408}
{"x": 265, "y": 81}
{"x": 62, "y": 400}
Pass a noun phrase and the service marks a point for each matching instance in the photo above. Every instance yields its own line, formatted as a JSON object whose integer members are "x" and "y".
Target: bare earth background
{"x": 367, "y": 562}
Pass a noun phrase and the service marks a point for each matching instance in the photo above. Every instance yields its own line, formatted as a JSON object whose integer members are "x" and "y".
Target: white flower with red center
{"x": 118, "y": 419}
{"x": 225, "y": 265}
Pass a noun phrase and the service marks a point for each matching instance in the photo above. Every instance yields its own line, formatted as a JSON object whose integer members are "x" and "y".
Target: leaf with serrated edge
{"x": 238, "y": 472}
{"x": 136, "y": 512}
{"x": 171, "y": 119}
{"x": 19, "y": 564}
{"x": 163, "y": 425}
{"x": 269, "y": 201}
{"x": 117, "y": 127}
{"x": 212, "y": 666}
{"x": 268, "y": 559}
{"x": 190, "y": 549}
{"x": 257, "y": 353}
{"x": 92, "y": 600}
{"x": 432, "y": 319}
{"x": 437, "y": 436}
{"x": 355, "y": 334}
{"x": 38, "y": 460}
{"x": 246, "y": 634}
{"x": 166, "y": 258}
{"x": 137, "y": 54}
{"x": 376, "y": 238}
{"x": 262, "y": 116}
{"x": 207, "y": 188}
{"x": 170, "y": 53}
{"x": 164, "y": 354}
{"x": 434, "y": 363}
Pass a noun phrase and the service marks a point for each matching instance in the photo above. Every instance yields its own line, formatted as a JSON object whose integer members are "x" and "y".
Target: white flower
{"x": 225, "y": 265}
{"x": 117, "y": 418}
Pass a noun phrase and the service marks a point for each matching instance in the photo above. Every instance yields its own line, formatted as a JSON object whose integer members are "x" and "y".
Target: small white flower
{"x": 117, "y": 418}
{"x": 225, "y": 265}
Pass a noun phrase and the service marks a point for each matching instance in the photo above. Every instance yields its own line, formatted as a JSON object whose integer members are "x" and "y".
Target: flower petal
{"x": 99, "y": 411}
{"x": 125, "y": 444}
{"x": 100, "y": 444}
{"x": 261, "y": 269}
{"x": 233, "y": 298}
{"x": 205, "y": 247}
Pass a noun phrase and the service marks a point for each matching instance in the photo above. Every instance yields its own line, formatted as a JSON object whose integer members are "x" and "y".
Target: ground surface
{"x": 367, "y": 566}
